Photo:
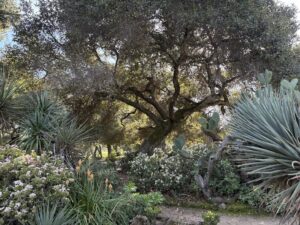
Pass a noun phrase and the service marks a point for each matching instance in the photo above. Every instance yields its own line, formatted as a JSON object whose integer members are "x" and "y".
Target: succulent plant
{"x": 265, "y": 78}
{"x": 211, "y": 124}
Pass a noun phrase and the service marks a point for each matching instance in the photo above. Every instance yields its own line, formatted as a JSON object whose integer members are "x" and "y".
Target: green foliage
{"x": 37, "y": 124}
{"x": 266, "y": 126}
{"x": 255, "y": 197}
{"x": 27, "y": 181}
{"x": 46, "y": 122}
{"x": 67, "y": 135}
{"x": 161, "y": 172}
{"x": 53, "y": 215}
{"x": 211, "y": 218}
{"x": 9, "y": 110}
{"x": 95, "y": 200}
{"x": 225, "y": 180}
{"x": 264, "y": 28}
{"x": 146, "y": 204}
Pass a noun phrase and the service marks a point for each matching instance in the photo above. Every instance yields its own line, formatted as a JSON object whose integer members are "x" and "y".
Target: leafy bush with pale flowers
{"x": 29, "y": 180}
{"x": 161, "y": 172}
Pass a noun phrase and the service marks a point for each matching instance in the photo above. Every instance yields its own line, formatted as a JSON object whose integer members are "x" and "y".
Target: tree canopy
{"x": 165, "y": 58}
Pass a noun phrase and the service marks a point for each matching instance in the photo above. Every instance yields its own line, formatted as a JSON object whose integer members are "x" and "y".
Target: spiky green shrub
{"x": 9, "y": 109}
{"x": 266, "y": 126}
{"x": 54, "y": 215}
{"x": 46, "y": 126}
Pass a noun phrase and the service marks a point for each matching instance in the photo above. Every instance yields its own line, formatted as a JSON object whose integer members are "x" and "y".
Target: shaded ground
{"x": 193, "y": 216}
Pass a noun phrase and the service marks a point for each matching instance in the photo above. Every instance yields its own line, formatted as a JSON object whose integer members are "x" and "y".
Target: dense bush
{"x": 28, "y": 180}
{"x": 225, "y": 180}
{"x": 254, "y": 197}
{"x": 162, "y": 172}
{"x": 170, "y": 172}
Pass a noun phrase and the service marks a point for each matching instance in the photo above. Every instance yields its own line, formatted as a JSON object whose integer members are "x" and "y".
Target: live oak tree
{"x": 165, "y": 58}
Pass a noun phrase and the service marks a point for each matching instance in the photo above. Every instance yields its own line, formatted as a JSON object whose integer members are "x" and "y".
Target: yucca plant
{"x": 266, "y": 126}
{"x": 46, "y": 126}
{"x": 36, "y": 124}
{"x": 67, "y": 134}
{"x": 9, "y": 109}
{"x": 35, "y": 130}
{"x": 53, "y": 215}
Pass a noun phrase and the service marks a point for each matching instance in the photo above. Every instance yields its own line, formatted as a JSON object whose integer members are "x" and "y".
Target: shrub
{"x": 252, "y": 196}
{"x": 146, "y": 204}
{"x": 95, "y": 200}
{"x": 211, "y": 218}
{"x": 53, "y": 215}
{"x": 225, "y": 180}
{"x": 161, "y": 172}
{"x": 27, "y": 181}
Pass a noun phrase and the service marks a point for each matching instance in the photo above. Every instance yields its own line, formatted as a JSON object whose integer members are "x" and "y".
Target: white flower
{"x": 18, "y": 183}
{"x": 28, "y": 173}
{"x": 1, "y": 194}
{"x": 17, "y": 205}
{"x": 7, "y": 210}
{"x": 32, "y": 195}
{"x": 28, "y": 187}
{"x": 24, "y": 211}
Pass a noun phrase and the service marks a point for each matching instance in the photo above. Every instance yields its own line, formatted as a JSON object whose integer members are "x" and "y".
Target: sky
{"x": 9, "y": 34}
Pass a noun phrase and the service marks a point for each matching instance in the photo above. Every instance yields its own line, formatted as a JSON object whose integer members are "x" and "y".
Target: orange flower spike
{"x": 91, "y": 177}
{"x": 110, "y": 188}
{"x": 77, "y": 169}
{"x": 80, "y": 162}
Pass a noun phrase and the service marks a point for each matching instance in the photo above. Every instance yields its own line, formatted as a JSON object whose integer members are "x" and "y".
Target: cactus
{"x": 265, "y": 78}
{"x": 211, "y": 124}
{"x": 289, "y": 85}
{"x": 178, "y": 145}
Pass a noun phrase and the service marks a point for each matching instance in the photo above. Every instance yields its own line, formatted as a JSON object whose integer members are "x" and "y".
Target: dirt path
{"x": 193, "y": 216}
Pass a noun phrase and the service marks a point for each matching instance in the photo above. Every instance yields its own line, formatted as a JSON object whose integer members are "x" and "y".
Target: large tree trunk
{"x": 155, "y": 139}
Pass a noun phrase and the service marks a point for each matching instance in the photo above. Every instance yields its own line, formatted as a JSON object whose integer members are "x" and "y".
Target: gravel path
{"x": 193, "y": 216}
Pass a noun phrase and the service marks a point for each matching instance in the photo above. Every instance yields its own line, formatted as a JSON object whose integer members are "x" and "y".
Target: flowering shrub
{"x": 161, "y": 172}
{"x": 27, "y": 181}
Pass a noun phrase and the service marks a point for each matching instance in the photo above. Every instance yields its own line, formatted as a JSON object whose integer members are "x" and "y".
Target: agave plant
{"x": 267, "y": 127}
{"x": 53, "y": 215}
